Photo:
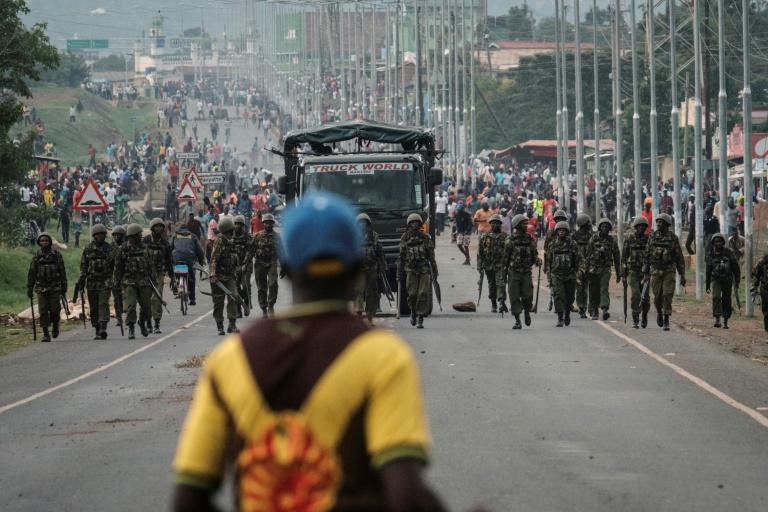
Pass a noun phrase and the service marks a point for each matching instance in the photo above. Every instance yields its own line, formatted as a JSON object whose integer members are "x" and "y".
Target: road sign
{"x": 186, "y": 192}
{"x": 213, "y": 178}
{"x": 87, "y": 44}
{"x": 759, "y": 145}
{"x": 187, "y": 156}
{"x": 194, "y": 179}
{"x": 91, "y": 199}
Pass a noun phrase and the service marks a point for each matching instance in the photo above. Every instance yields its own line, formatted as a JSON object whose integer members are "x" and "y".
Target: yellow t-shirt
{"x": 367, "y": 388}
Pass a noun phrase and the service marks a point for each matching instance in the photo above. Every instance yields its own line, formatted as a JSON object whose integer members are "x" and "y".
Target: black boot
{"x": 144, "y": 330}
{"x": 559, "y": 320}
{"x": 55, "y": 330}
{"x": 527, "y": 317}
{"x": 635, "y": 320}
{"x": 493, "y": 307}
{"x": 220, "y": 327}
{"x": 583, "y": 313}
{"x": 659, "y": 318}
{"x": 103, "y": 328}
{"x": 46, "y": 336}
{"x": 420, "y": 324}
{"x": 232, "y": 327}
{"x": 725, "y": 322}
{"x": 96, "y": 332}
{"x": 666, "y": 322}
{"x": 594, "y": 315}
{"x": 644, "y": 319}
{"x": 413, "y": 318}
{"x": 717, "y": 321}
{"x": 157, "y": 327}
{"x": 131, "y": 332}
{"x": 517, "y": 323}
{"x": 606, "y": 314}
{"x": 264, "y": 312}
{"x": 567, "y": 318}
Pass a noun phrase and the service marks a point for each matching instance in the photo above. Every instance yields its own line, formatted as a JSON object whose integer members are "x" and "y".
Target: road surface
{"x": 595, "y": 417}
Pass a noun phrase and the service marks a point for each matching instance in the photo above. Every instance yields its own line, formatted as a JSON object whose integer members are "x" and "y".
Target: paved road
{"x": 544, "y": 419}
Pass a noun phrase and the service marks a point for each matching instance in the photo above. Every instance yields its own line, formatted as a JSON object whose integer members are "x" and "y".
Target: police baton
{"x": 34, "y": 327}
{"x": 160, "y": 297}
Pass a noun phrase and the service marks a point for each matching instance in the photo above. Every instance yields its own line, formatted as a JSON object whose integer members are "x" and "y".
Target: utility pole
{"x": 464, "y": 85}
{"x": 619, "y": 113}
{"x": 635, "y": 114}
{"x": 699, "y": 186}
{"x": 418, "y": 102}
{"x": 579, "y": 113}
{"x": 598, "y": 162}
{"x": 456, "y": 87}
{"x": 748, "y": 184}
{"x": 722, "y": 102}
{"x": 559, "y": 112}
{"x": 675, "y": 125}
{"x": 473, "y": 93}
{"x": 565, "y": 202}
{"x": 654, "y": 115}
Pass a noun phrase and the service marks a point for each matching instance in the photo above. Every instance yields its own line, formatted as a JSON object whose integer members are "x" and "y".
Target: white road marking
{"x": 749, "y": 411}
{"x": 101, "y": 368}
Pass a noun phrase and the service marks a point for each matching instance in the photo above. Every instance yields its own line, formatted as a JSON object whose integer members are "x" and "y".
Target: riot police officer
{"x": 563, "y": 264}
{"x": 632, "y": 262}
{"x": 760, "y": 286}
{"x": 490, "y": 257}
{"x": 582, "y": 236}
{"x": 96, "y": 268}
{"x": 47, "y": 277}
{"x": 224, "y": 267}
{"x": 133, "y": 269}
{"x": 373, "y": 265}
{"x": 162, "y": 263}
{"x": 664, "y": 257}
{"x": 417, "y": 260}
{"x": 118, "y": 239}
{"x": 723, "y": 272}
{"x": 520, "y": 255}
{"x": 264, "y": 253}
{"x": 242, "y": 241}
{"x": 602, "y": 253}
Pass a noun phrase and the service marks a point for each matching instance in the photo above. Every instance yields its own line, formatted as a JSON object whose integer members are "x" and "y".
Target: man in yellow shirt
{"x": 313, "y": 409}
{"x": 482, "y": 218}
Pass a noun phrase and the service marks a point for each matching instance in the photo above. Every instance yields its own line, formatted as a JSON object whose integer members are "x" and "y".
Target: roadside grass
{"x": 99, "y": 124}
{"x": 14, "y": 265}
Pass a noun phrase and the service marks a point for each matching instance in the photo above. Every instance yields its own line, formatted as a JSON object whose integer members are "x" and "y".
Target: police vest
{"x": 492, "y": 249}
{"x": 416, "y": 251}
{"x": 157, "y": 250}
{"x": 137, "y": 262}
{"x": 98, "y": 263}
{"x": 661, "y": 252}
{"x": 369, "y": 254}
{"x": 227, "y": 261}
{"x": 721, "y": 265}
{"x": 265, "y": 249}
{"x": 636, "y": 256}
{"x": 603, "y": 252}
{"x": 563, "y": 261}
{"x": 522, "y": 256}
{"x": 48, "y": 268}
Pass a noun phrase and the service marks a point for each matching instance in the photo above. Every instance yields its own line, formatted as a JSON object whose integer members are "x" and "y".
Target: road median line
{"x": 706, "y": 386}
{"x": 99, "y": 369}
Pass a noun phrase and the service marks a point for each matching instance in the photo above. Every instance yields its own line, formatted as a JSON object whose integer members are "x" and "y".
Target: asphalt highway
{"x": 594, "y": 417}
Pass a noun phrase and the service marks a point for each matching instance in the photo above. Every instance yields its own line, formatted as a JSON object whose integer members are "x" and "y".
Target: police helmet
{"x": 44, "y": 234}
{"x": 98, "y": 229}
{"x": 157, "y": 221}
{"x": 363, "y": 217}
{"x": 118, "y": 230}
{"x": 495, "y": 218}
{"x": 561, "y": 215}
{"x": 639, "y": 221}
{"x": 718, "y": 235}
{"x": 517, "y": 219}
{"x": 666, "y": 218}
{"x": 226, "y": 225}
{"x": 562, "y": 225}
{"x": 414, "y": 217}
{"x": 133, "y": 230}
{"x": 605, "y": 221}
{"x": 239, "y": 219}
{"x": 583, "y": 220}
{"x": 267, "y": 217}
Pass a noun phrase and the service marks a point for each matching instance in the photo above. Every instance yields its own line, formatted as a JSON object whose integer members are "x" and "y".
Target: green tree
{"x": 24, "y": 53}
{"x": 520, "y": 23}
{"x": 71, "y": 71}
{"x": 112, "y": 63}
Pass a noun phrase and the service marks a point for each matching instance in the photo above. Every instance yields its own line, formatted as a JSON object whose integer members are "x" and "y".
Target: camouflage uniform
{"x": 520, "y": 254}
{"x": 47, "y": 277}
{"x": 559, "y": 215}
{"x": 602, "y": 253}
{"x": 760, "y": 283}
{"x": 161, "y": 256}
{"x": 133, "y": 268}
{"x": 632, "y": 262}
{"x": 490, "y": 259}
{"x": 563, "y": 264}
{"x": 663, "y": 257}
{"x": 242, "y": 243}
{"x": 722, "y": 272}
{"x": 373, "y": 264}
{"x": 264, "y": 252}
{"x": 97, "y": 265}
{"x": 582, "y": 236}
{"x": 118, "y": 239}
{"x": 417, "y": 260}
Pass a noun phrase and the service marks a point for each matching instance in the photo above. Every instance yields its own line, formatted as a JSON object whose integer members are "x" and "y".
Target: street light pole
{"x": 748, "y": 184}
{"x": 674, "y": 122}
{"x": 722, "y": 103}
{"x": 565, "y": 201}
{"x": 579, "y": 112}
{"x": 635, "y": 113}
{"x": 596, "y": 77}
{"x": 618, "y": 115}
{"x": 654, "y": 114}
{"x": 559, "y": 99}
{"x": 699, "y": 186}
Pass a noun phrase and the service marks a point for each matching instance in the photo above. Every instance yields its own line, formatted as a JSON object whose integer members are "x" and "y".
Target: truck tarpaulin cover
{"x": 365, "y": 130}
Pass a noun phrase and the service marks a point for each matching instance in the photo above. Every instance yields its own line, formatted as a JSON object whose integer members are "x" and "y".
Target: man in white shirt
{"x": 441, "y": 209}
{"x": 25, "y": 194}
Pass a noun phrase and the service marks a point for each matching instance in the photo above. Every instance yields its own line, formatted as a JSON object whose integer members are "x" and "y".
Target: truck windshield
{"x": 387, "y": 186}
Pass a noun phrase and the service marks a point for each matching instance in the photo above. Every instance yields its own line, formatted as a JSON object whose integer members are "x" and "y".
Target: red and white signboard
{"x": 194, "y": 179}
{"x": 91, "y": 199}
{"x": 760, "y": 145}
{"x": 187, "y": 192}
